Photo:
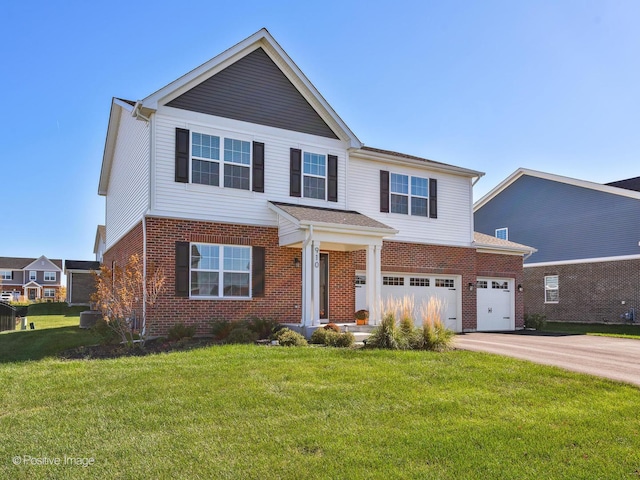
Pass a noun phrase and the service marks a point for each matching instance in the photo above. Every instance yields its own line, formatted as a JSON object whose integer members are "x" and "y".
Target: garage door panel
{"x": 495, "y": 304}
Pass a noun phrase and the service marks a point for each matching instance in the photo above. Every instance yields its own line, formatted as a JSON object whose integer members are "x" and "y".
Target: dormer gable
{"x": 44, "y": 264}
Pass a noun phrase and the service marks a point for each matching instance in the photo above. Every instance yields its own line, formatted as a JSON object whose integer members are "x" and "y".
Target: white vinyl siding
{"x": 128, "y": 194}
{"x": 202, "y": 202}
{"x": 454, "y": 224}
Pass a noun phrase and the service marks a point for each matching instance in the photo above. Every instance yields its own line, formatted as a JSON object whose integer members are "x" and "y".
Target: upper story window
{"x": 314, "y": 175}
{"x": 551, "y": 290}
{"x": 206, "y": 164}
{"x": 220, "y": 270}
{"x": 5, "y": 275}
{"x": 408, "y": 194}
{"x": 219, "y": 161}
{"x": 405, "y": 199}
{"x": 49, "y": 276}
{"x": 502, "y": 233}
{"x": 33, "y": 275}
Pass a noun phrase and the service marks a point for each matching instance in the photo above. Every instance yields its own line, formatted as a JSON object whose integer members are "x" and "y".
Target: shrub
{"x": 384, "y": 335}
{"x": 107, "y": 334}
{"x": 536, "y": 321}
{"x": 343, "y": 340}
{"x": 180, "y": 331}
{"x": 220, "y": 329}
{"x": 435, "y": 335}
{"x": 241, "y": 334}
{"x": 263, "y": 327}
{"x": 319, "y": 336}
{"x": 332, "y": 326}
{"x": 289, "y": 338}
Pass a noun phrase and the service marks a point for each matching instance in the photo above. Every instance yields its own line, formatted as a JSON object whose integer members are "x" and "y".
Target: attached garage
{"x": 422, "y": 288}
{"x": 496, "y": 304}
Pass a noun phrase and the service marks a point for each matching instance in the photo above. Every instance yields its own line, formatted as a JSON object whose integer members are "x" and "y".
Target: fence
{"x": 7, "y": 317}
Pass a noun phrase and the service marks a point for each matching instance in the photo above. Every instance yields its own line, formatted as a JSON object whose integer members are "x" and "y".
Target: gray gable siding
{"x": 253, "y": 89}
{"x": 564, "y": 222}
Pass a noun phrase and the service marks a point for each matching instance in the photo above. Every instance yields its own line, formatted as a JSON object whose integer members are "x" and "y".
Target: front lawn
{"x": 605, "y": 330}
{"x": 276, "y": 412}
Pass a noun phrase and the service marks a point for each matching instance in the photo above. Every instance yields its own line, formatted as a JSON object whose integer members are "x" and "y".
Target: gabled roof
{"x": 43, "y": 263}
{"x": 14, "y": 263}
{"x": 555, "y": 178}
{"x": 335, "y": 218}
{"x": 117, "y": 105}
{"x": 629, "y": 184}
{"x": 81, "y": 265}
{"x": 487, "y": 242}
{"x": 260, "y": 39}
{"x": 391, "y": 156}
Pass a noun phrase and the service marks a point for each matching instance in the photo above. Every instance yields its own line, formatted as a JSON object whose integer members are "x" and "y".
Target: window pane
{"x": 236, "y": 176}
{"x": 419, "y": 186}
{"x": 236, "y": 285}
{"x": 314, "y": 187}
{"x": 205, "y": 146}
{"x": 399, "y": 183}
{"x": 204, "y": 284}
{"x": 236, "y": 151}
{"x": 419, "y": 206}
{"x": 205, "y": 257}
{"x": 502, "y": 233}
{"x": 237, "y": 258}
{"x": 314, "y": 164}
{"x": 206, "y": 173}
{"x": 399, "y": 204}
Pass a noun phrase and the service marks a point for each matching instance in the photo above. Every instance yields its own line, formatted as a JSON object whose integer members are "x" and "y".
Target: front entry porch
{"x": 318, "y": 233}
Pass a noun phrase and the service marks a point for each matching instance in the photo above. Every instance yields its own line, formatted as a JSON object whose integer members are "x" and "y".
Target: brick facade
{"x": 283, "y": 280}
{"x": 588, "y": 292}
{"x": 83, "y": 285}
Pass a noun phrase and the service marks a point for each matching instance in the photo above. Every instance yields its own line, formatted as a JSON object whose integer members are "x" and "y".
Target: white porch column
{"x": 315, "y": 283}
{"x": 307, "y": 280}
{"x": 374, "y": 283}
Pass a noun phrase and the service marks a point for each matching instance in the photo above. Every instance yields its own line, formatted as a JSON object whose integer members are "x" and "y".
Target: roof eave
{"x": 110, "y": 143}
{"x": 378, "y": 231}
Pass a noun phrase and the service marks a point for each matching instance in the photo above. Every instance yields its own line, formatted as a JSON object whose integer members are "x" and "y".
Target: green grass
{"x": 605, "y": 330}
{"x": 304, "y": 413}
{"x": 56, "y": 329}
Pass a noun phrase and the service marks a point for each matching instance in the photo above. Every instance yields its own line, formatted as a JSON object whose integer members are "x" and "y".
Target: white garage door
{"x": 495, "y": 304}
{"x": 422, "y": 288}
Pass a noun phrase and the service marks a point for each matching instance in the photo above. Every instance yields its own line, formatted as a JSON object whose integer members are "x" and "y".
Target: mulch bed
{"x": 150, "y": 347}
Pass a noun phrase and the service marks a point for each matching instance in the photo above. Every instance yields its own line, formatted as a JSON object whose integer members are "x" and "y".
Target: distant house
{"x": 31, "y": 278}
{"x": 80, "y": 280}
{"x": 248, "y": 190}
{"x": 587, "y": 235}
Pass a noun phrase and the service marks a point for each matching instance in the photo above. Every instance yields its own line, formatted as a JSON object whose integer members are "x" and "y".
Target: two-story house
{"x": 587, "y": 236}
{"x": 242, "y": 183}
{"x": 31, "y": 278}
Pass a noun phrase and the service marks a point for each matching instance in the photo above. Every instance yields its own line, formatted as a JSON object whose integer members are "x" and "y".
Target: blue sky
{"x": 488, "y": 85}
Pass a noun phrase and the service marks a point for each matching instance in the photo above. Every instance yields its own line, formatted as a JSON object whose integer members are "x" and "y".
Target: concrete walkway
{"x": 614, "y": 358}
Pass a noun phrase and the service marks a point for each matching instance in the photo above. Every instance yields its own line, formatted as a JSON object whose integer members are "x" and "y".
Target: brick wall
{"x": 83, "y": 285}
{"x": 588, "y": 292}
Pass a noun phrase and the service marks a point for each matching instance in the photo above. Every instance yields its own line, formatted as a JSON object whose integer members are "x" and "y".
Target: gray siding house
{"x": 587, "y": 236}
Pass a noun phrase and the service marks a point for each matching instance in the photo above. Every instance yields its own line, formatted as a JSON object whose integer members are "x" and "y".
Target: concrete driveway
{"x": 614, "y": 358}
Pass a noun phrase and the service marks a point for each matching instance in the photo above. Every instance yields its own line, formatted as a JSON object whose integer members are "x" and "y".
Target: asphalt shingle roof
{"x": 329, "y": 216}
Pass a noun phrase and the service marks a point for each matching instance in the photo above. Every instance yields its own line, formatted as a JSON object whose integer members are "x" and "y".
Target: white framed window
{"x": 444, "y": 282}
{"x": 482, "y": 284}
{"x": 221, "y": 271}
{"x": 314, "y": 175}
{"x": 211, "y": 153}
{"x": 551, "y": 290}
{"x": 33, "y": 275}
{"x": 397, "y": 281}
{"x": 502, "y": 233}
{"x": 49, "y": 276}
{"x": 49, "y": 292}
{"x": 409, "y": 195}
{"x": 5, "y": 275}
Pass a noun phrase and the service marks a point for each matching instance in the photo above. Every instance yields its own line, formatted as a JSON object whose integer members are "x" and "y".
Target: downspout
{"x": 137, "y": 114}
{"x": 143, "y": 332}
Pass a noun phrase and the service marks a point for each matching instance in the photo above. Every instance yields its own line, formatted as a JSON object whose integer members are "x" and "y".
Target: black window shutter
{"x": 182, "y": 269}
{"x": 433, "y": 198}
{"x": 182, "y": 155}
{"x": 257, "y": 271}
{"x": 384, "y": 191}
{"x": 258, "y": 167}
{"x": 295, "y": 173}
{"x": 332, "y": 179}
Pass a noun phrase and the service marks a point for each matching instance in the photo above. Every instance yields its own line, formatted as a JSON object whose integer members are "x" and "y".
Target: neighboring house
{"x": 80, "y": 280}
{"x": 31, "y": 278}
{"x": 587, "y": 236}
{"x": 246, "y": 188}
{"x": 99, "y": 245}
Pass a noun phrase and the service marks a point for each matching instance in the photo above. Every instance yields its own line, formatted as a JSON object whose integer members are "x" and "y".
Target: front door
{"x": 324, "y": 286}
{"x": 32, "y": 293}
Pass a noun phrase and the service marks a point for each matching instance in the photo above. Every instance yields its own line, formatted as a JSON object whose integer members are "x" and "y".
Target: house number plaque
{"x": 316, "y": 253}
